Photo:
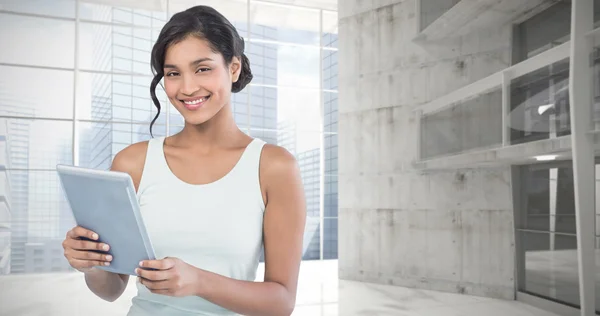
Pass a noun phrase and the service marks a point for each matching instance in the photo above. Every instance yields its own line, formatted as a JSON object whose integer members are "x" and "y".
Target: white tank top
{"x": 216, "y": 227}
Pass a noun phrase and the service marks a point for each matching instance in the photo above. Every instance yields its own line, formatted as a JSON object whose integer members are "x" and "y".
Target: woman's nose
{"x": 189, "y": 86}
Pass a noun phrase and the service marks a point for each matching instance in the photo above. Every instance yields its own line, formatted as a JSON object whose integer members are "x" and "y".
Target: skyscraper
{"x": 16, "y": 140}
{"x": 330, "y": 147}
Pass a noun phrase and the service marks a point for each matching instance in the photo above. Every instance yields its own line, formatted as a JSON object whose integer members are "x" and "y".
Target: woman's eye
{"x": 172, "y": 73}
{"x": 202, "y": 70}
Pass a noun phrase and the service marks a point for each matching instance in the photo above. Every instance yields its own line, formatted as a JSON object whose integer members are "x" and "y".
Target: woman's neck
{"x": 220, "y": 130}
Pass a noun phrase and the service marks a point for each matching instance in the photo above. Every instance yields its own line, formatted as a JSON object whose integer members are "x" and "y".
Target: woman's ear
{"x": 235, "y": 68}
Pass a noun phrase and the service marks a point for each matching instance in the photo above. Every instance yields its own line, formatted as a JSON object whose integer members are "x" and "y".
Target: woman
{"x": 209, "y": 195}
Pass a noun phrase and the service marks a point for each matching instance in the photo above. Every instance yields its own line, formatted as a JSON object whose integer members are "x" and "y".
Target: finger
{"x": 82, "y": 232}
{"x": 153, "y": 275}
{"x": 87, "y": 245}
{"x": 163, "y": 264}
{"x": 155, "y": 285}
{"x": 88, "y": 255}
{"x": 78, "y": 263}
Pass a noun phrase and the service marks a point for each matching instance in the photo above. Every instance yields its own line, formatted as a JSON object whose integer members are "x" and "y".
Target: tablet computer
{"x": 105, "y": 202}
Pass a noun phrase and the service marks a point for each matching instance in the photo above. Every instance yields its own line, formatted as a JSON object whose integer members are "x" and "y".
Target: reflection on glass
{"x": 286, "y": 109}
{"x": 121, "y": 98}
{"x": 551, "y": 272}
{"x": 284, "y": 65}
{"x": 284, "y": 24}
{"x": 99, "y": 142}
{"x": 330, "y": 70}
{"x": 548, "y": 199}
{"x": 234, "y": 10}
{"x": 28, "y": 143}
{"x": 330, "y": 238}
{"x": 312, "y": 239}
{"x": 17, "y": 33}
{"x": 58, "y": 8}
{"x": 38, "y": 224}
{"x": 18, "y": 85}
{"x": 330, "y": 29}
{"x": 540, "y": 104}
{"x": 155, "y": 17}
{"x": 476, "y": 123}
{"x": 547, "y": 232}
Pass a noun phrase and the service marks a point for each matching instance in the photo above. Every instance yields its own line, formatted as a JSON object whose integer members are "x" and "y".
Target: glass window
{"x": 475, "y": 123}
{"x": 55, "y": 36}
{"x": 27, "y": 92}
{"x": 330, "y": 70}
{"x": 330, "y": 29}
{"x": 58, "y": 8}
{"x": 284, "y": 24}
{"x": 295, "y": 108}
{"x": 542, "y": 32}
{"x": 285, "y": 65}
{"x": 39, "y": 151}
{"x": 330, "y": 234}
{"x": 119, "y": 98}
{"x": 99, "y": 142}
{"x": 551, "y": 272}
{"x": 540, "y": 104}
{"x": 547, "y": 247}
{"x": 234, "y": 10}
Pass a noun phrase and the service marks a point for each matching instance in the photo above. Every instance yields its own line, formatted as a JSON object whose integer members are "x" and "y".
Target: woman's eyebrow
{"x": 195, "y": 62}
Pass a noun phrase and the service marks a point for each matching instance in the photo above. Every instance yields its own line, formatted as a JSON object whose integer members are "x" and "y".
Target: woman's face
{"x": 197, "y": 81}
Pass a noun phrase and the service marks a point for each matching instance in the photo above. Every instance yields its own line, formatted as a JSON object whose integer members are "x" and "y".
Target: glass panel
{"x": 330, "y": 238}
{"x": 284, "y": 23}
{"x": 285, "y": 109}
{"x": 29, "y": 146}
{"x": 122, "y": 15}
{"x": 548, "y": 199}
{"x": 551, "y": 270}
{"x": 330, "y": 69}
{"x": 330, "y": 113}
{"x": 330, "y": 203}
{"x": 540, "y": 104}
{"x": 40, "y": 217}
{"x": 18, "y": 86}
{"x": 311, "y": 249}
{"x": 116, "y": 48}
{"x": 472, "y": 124}
{"x": 546, "y": 30}
{"x": 284, "y": 65}
{"x": 121, "y": 98}
{"x": 59, "y": 8}
{"x": 100, "y": 142}
{"x": 330, "y": 29}
{"x": 55, "y": 37}
{"x": 236, "y": 11}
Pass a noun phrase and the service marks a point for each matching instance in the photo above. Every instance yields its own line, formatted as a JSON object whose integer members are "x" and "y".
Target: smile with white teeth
{"x": 197, "y": 101}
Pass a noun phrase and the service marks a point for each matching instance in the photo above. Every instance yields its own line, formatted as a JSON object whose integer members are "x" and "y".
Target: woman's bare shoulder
{"x": 131, "y": 160}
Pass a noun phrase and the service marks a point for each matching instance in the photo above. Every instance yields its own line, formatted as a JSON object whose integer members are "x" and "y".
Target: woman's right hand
{"x": 82, "y": 254}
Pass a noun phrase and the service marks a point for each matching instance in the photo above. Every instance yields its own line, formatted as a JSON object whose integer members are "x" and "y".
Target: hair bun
{"x": 245, "y": 75}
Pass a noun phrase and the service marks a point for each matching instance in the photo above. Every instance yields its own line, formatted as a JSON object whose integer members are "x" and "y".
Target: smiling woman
{"x": 215, "y": 60}
{"x": 208, "y": 242}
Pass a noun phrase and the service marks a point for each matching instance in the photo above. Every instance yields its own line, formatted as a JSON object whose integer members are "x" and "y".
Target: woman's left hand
{"x": 171, "y": 277}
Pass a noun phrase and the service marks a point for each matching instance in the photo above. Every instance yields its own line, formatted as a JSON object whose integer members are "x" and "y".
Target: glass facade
{"x": 87, "y": 116}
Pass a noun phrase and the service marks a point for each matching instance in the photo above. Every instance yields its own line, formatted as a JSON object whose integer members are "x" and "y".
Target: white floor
{"x": 320, "y": 293}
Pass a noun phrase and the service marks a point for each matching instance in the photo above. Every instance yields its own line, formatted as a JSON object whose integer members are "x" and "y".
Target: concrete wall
{"x": 450, "y": 231}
